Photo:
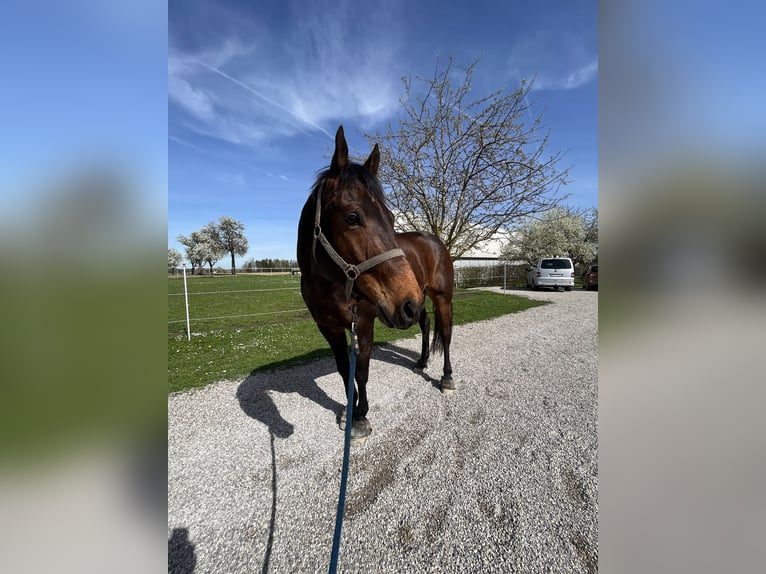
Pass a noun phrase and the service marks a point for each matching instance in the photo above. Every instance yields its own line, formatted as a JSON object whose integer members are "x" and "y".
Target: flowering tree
{"x": 560, "y": 231}
{"x": 231, "y": 234}
{"x": 203, "y": 246}
{"x": 174, "y": 258}
{"x": 213, "y": 241}
{"x": 191, "y": 244}
{"x": 466, "y": 169}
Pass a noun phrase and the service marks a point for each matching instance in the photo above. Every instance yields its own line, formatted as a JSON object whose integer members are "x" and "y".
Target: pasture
{"x": 244, "y": 323}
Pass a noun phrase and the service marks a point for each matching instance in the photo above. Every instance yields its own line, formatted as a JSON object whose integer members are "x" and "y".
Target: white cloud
{"x": 554, "y": 61}
{"x": 578, "y": 78}
{"x": 304, "y": 80}
{"x": 567, "y": 80}
{"x": 195, "y": 101}
{"x": 236, "y": 179}
{"x": 185, "y": 142}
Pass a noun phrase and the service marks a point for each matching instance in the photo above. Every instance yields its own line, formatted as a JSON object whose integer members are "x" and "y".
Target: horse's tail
{"x": 437, "y": 344}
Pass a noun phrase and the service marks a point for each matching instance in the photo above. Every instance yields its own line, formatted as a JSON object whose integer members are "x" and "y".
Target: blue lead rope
{"x": 346, "y": 452}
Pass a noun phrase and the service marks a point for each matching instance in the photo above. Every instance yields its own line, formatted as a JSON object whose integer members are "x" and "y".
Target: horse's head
{"x": 360, "y": 228}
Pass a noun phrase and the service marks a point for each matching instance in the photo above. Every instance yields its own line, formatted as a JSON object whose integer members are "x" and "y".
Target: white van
{"x": 552, "y": 272}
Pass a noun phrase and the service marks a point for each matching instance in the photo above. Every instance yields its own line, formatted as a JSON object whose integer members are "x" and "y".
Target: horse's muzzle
{"x": 404, "y": 317}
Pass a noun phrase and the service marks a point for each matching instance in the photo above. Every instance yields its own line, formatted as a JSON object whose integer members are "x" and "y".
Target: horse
{"x": 355, "y": 268}
{"x": 432, "y": 264}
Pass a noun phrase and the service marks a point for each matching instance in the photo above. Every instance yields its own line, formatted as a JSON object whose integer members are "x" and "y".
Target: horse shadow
{"x": 255, "y": 400}
{"x": 254, "y": 392}
{"x": 395, "y": 355}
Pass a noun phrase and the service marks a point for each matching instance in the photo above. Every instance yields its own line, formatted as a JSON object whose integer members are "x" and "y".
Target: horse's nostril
{"x": 409, "y": 310}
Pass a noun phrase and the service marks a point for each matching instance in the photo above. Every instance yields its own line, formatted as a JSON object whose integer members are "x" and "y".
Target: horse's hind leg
{"x": 425, "y": 329}
{"x": 443, "y": 312}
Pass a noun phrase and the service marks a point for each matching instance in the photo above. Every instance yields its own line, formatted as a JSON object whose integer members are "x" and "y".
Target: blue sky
{"x": 257, "y": 90}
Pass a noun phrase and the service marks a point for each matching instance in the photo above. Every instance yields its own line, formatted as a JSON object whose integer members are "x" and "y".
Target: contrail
{"x": 260, "y": 95}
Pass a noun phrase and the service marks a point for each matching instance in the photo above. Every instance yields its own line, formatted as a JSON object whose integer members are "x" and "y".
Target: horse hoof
{"x": 360, "y": 429}
{"x": 447, "y": 385}
{"x": 360, "y": 432}
{"x": 418, "y": 369}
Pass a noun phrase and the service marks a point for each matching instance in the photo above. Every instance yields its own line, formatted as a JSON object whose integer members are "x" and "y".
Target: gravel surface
{"x": 502, "y": 476}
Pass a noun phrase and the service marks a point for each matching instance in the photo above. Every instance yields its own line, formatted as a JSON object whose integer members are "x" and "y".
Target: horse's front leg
{"x": 365, "y": 334}
{"x": 336, "y": 337}
{"x": 425, "y": 330}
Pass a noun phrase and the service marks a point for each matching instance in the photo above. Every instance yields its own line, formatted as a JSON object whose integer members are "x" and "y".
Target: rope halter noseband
{"x": 352, "y": 272}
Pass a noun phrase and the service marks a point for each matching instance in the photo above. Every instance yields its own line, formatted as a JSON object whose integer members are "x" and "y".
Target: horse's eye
{"x": 353, "y": 219}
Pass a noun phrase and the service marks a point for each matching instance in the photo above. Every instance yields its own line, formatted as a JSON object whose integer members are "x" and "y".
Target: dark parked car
{"x": 590, "y": 278}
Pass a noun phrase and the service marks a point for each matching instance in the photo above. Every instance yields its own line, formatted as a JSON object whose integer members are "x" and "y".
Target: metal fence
{"x": 503, "y": 275}
{"x": 500, "y": 275}
{"x": 226, "y": 297}
{"x": 177, "y": 271}
{"x": 465, "y": 277}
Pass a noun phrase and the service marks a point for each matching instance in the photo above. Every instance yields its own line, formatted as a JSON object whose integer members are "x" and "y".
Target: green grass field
{"x": 246, "y": 323}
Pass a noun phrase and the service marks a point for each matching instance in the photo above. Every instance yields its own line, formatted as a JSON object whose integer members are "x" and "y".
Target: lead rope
{"x": 351, "y": 272}
{"x": 346, "y": 444}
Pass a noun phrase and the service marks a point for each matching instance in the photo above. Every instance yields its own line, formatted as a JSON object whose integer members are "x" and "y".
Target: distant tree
{"x": 174, "y": 258}
{"x": 276, "y": 263}
{"x": 232, "y": 238}
{"x": 560, "y": 231}
{"x": 203, "y": 246}
{"x": 465, "y": 170}
{"x": 591, "y": 231}
{"x": 211, "y": 247}
{"x": 268, "y": 263}
{"x": 193, "y": 252}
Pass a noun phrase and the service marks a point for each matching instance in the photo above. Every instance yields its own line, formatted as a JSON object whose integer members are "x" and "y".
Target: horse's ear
{"x": 340, "y": 157}
{"x": 373, "y": 161}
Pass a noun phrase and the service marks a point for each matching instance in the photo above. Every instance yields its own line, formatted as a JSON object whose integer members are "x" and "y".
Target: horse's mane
{"x": 354, "y": 172}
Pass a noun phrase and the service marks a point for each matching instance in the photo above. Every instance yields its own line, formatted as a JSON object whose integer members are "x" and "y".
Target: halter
{"x": 352, "y": 272}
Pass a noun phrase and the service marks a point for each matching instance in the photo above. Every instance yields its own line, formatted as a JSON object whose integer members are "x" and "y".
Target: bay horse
{"x": 354, "y": 267}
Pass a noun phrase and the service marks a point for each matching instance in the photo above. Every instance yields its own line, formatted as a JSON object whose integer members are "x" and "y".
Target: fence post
{"x": 505, "y": 278}
{"x": 186, "y": 298}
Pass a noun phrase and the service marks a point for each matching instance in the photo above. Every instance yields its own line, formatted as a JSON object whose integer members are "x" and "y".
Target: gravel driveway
{"x": 502, "y": 476}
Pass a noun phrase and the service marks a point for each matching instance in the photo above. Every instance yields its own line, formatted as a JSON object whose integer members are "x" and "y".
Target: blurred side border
{"x": 83, "y": 189}
{"x": 681, "y": 285}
